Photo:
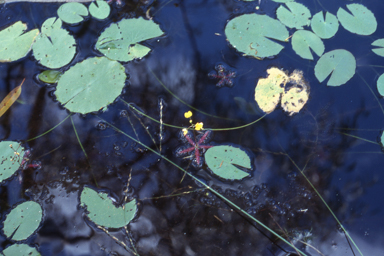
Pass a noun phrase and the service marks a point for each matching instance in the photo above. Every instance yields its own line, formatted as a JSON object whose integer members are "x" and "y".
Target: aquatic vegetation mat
{"x": 185, "y": 132}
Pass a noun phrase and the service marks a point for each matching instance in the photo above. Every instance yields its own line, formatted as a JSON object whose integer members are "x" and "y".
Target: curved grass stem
{"x": 190, "y": 128}
{"x": 374, "y": 95}
{"x": 50, "y": 129}
{"x": 322, "y": 199}
{"x": 185, "y": 103}
{"x": 230, "y": 203}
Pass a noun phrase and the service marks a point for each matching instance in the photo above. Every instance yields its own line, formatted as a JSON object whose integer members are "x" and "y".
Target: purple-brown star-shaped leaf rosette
{"x": 224, "y": 75}
{"x": 195, "y": 147}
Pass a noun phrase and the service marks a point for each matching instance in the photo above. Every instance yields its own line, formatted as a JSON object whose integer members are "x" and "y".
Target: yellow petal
{"x": 199, "y": 126}
{"x": 188, "y": 114}
{"x": 185, "y": 131}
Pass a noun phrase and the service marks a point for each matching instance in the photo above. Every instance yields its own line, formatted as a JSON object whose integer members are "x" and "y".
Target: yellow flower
{"x": 199, "y": 126}
{"x": 188, "y": 114}
{"x": 185, "y": 131}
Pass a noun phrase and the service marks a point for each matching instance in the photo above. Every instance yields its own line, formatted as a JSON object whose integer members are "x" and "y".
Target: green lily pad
{"x": 50, "y": 76}
{"x": 120, "y": 41}
{"x": 382, "y": 139}
{"x": 14, "y": 44}
{"x": 303, "y": 41}
{"x": 103, "y": 212}
{"x": 23, "y": 220}
{"x": 251, "y": 34}
{"x": 223, "y": 161}
{"x": 54, "y": 47}
{"x": 324, "y": 28}
{"x": 72, "y": 13}
{"x": 296, "y": 17}
{"x": 99, "y": 10}
{"x": 91, "y": 85}
{"x": 379, "y": 43}
{"x": 20, "y": 250}
{"x": 361, "y": 21}
{"x": 380, "y": 85}
{"x": 340, "y": 64}
{"x": 12, "y": 154}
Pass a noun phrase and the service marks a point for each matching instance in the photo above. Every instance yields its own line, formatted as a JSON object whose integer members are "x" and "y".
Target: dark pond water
{"x": 175, "y": 215}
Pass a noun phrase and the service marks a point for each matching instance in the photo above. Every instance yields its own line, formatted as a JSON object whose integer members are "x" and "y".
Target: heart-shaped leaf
{"x": 340, "y": 64}
{"x": 23, "y": 220}
{"x": 54, "y": 47}
{"x": 296, "y": 17}
{"x": 99, "y": 9}
{"x": 103, "y": 212}
{"x": 91, "y": 85}
{"x": 324, "y": 28}
{"x": 303, "y": 41}
{"x": 379, "y": 43}
{"x": 380, "y": 85}
{"x": 11, "y": 157}
{"x": 251, "y": 34}
{"x": 120, "y": 41}
{"x": 20, "y": 250}
{"x": 270, "y": 90}
{"x": 72, "y": 13}
{"x": 223, "y": 161}
{"x": 14, "y": 44}
{"x": 361, "y": 21}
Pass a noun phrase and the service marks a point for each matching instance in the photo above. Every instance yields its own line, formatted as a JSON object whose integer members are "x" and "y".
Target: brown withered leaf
{"x": 8, "y": 101}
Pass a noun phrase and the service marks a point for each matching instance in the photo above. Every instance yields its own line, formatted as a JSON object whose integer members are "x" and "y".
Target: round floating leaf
{"x": 23, "y": 220}
{"x": 99, "y": 9}
{"x": 251, "y": 34}
{"x": 361, "y": 21}
{"x": 50, "y": 76}
{"x": 103, "y": 212}
{"x": 20, "y": 250}
{"x": 54, "y": 47}
{"x": 340, "y": 64}
{"x": 51, "y": 23}
{"x": 91, "y": 85}
{"x": 268, "y": 90}
{"x": 120, "y": 40}
{"x": 72, "y": 13}
{"x": 324, "y": 28}
{"x": 296, "y": 17}
{"x": 12, "y": 154}
{"x": 379, "y": 43}
{"x": 14, "y": 44}
{"x": 382, "y": 139}
{"x": 303, "y": 40}
{"x": 223, "y": 161}
{"x": 380, "y": 85}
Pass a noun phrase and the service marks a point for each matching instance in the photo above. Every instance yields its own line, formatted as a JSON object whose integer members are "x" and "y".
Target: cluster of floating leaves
{"x": 258, "y": 35}
{"x": 292, "y": 91}
{"x": 96, "y": 82}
